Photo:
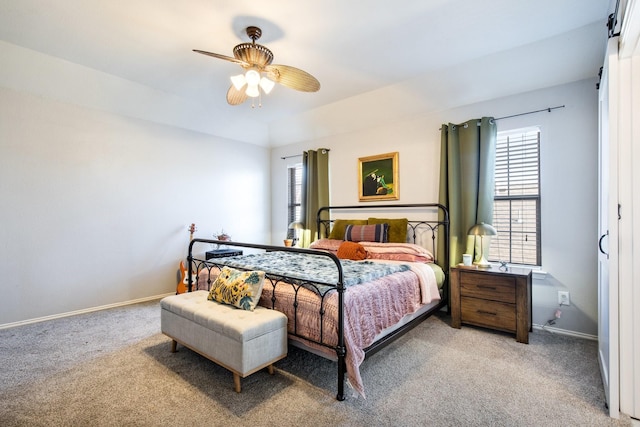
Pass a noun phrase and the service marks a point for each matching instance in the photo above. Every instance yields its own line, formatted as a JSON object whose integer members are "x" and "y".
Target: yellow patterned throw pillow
{"x": 240, "y": 289}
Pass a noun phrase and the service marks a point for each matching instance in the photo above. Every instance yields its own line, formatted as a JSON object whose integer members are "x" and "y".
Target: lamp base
{"x": 483, "y": 263}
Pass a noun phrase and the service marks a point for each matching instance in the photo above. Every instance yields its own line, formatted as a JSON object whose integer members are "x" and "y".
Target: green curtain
{"x": 467, "y": 180}
{"x": 315, "y": 190}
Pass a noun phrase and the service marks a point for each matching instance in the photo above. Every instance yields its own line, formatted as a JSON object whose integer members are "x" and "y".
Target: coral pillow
{"x": 329, "y": 245}
{"x": 351, "y": 250}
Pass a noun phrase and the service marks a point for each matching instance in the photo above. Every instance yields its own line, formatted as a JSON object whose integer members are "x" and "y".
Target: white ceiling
{"x": 353, "y": 47}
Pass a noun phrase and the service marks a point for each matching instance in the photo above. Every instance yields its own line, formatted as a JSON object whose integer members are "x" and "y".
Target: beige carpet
{"x": 114, "y": 368}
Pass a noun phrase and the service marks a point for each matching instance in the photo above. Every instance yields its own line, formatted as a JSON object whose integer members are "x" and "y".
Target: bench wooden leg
{"x": 174, "y": 346}
{"x": 270, "y": 367}
{"x": 236, "y": 382}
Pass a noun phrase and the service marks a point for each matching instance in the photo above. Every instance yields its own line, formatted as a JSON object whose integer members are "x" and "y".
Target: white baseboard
{"x": 83, "y": 311}
{"x": 565, "y": 332}
{"x": 156, "y": 297}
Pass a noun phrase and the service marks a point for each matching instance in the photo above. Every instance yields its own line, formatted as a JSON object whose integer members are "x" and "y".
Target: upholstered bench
{"x": 239, "y": 340}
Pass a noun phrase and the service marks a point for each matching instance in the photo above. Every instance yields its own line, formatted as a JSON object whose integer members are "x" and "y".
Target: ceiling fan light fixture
{"x": 238, "y": 81}
{"x": 253, "y": 91}
{"x": 266, "y": 85}
{"x": 252, "y": 77}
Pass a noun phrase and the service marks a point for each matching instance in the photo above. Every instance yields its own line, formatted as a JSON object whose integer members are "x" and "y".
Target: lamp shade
{"x": 238, "y": 81}
{"x": 252, "y": 77}
{"x": 266, "y": 85}
{"x": 482, "y": 229}
{"x": 296, "y": 226}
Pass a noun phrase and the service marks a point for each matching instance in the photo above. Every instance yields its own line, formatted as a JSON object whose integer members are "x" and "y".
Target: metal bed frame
{"x": 435, "y": 226}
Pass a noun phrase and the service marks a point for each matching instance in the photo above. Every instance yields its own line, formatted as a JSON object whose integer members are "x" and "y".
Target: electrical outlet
{"x": 563, "y": 298}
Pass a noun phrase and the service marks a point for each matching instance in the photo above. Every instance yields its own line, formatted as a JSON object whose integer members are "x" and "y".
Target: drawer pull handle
{"x": 487, "y": 312}
{"x": 493, "y": 288}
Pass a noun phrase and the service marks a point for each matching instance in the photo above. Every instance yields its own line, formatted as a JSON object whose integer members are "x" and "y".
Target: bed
{"x": 347, "y": 307}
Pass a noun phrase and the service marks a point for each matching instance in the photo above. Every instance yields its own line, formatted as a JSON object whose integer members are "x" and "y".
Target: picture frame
{"x": 378, "y": 177}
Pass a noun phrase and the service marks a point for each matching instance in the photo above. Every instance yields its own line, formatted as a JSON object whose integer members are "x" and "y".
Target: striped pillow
{"x": 367, "y": 233}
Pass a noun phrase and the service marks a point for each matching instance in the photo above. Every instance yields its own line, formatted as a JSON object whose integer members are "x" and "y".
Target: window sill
{"x": 537, "y": 272}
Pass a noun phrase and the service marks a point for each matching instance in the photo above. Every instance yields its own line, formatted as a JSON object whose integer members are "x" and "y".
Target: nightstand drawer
{"x": 488, "y": 287}
{"x": 492, "y": 314}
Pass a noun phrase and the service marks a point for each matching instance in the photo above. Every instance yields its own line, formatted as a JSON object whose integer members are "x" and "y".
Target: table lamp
{"x": 295, "y": 226}
{"x": 482, "y": 230}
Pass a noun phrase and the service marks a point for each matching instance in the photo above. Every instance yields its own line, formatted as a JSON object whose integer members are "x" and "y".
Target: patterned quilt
{"x": 315, "y": 268}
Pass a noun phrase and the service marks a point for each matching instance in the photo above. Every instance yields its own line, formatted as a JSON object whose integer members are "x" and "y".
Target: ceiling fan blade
{"x": 292, "y": 77}
{"x": 225, "y": 57}
{"x": 235, "y": 96}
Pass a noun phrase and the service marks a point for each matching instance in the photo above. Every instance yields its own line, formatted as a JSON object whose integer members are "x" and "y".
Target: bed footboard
{"x": 199, "y": 265}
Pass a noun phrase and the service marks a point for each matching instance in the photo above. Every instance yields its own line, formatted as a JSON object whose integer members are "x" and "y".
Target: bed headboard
{"x": 426, "y": 221}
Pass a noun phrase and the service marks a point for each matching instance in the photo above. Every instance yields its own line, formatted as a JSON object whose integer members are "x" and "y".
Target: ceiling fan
{"x": 256, "y": 60}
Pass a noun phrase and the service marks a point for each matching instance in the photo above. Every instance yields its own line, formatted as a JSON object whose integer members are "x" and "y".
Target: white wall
{"x": 569, "y": 180}
{"x": 94, "y": 206}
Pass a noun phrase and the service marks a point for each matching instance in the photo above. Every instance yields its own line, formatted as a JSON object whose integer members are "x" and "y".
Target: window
{"x": 516, "y": 203}
{"x": 294, "y": 198}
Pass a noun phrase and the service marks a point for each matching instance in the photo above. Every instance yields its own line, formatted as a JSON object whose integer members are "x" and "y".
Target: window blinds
{"x": 294, "y": 202}
{"x": 516, "y": 214}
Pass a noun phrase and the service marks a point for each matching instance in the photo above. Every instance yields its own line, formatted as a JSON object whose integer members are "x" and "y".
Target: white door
{"x": 628, "y": 124}
{"x": 608, "y": 231}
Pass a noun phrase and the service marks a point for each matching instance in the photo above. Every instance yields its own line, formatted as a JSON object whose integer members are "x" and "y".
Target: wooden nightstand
{"x": 492, "y": 298}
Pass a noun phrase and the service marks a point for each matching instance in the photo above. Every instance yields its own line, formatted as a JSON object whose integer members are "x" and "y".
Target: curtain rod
{"x": 548, "y": 109}
{"x": 324, "y": 151}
